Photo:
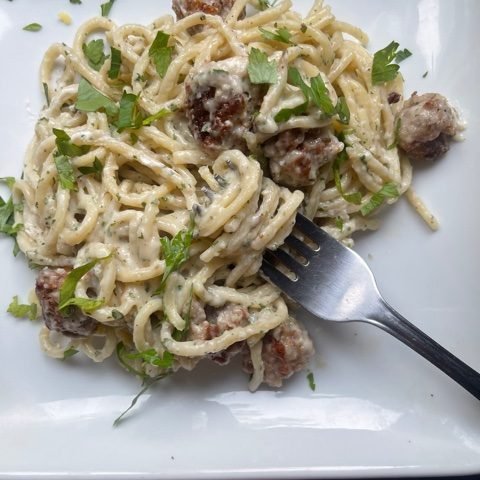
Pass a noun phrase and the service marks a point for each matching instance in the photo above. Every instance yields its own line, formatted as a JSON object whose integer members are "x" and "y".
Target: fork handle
{"x": 392, "y": 322}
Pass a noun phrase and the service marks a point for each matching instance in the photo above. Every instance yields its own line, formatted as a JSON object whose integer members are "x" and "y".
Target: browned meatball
{"x": 427, "y": 125}
{"x": 286, "y": 349}
{"x": 214, "y": 323}
{"x": 296, "y": 155}
{"x": 183, "y": 8}
{"x": 73, "y": 323}
{"x": 220, "y": 103}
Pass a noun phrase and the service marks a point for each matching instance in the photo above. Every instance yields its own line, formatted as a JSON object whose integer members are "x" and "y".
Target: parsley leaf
{"x": 425, "y": 74}
{"x": 106, "y": 7}
{"x": 7, "y": 220}
{"x": 115, "y": 63}
{"x": 66, "y": 175}
{"x": 265, "y": 4}
{"x": 76, "y": 2}
{"x": 343, "y": 111}
{"x": 129, "y": 116}
{"x": 117, "y": 314}
{"x": 382, "y": 68}
{"x": 339, "y": 223}
{"x": 161, "y": 53}
{"x": 311, "y": 381}
{"x": 318, "y": 93}
{"x": 395, "y": 135}
{"x": 67, "y": 290}
{"x": 175, "y": 252}
{"x": 152, "y": 358}
{"x": 88, "y": 305}
{"x": 402, "y": 55}
{"x": 91, "y": 100}
{"x": 32, "y": 27}
{"x": 281, "y": 34}
{"x": 284, "y": 114}
{"x": 389, "y": 190}
{"x": 66, "y": 147}
{"x": 320, "y": 96}
{"x": 355, "y": 198}
{"x": 19, "y": 310}
{"x": 260, "y": 70}
{"x": 70, "y": 352}
{"x": 96, "y": 168}
{"x": 156, "y": 116}
{"x": 94, "y": 53}
{"x": 10, "y": 181}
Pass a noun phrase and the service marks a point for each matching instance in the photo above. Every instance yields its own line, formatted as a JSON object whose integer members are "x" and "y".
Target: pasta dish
{"x": 169, "y": 157}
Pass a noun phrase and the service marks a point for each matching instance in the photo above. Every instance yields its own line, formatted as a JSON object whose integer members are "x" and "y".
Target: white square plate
{"x": 379, "y": 409}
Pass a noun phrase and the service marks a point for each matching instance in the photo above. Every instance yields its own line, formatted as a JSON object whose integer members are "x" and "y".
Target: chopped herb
{"x": 133, "y": 138}
{"x": 96, "y": 168}
{"x": 88, "y": 305}
{"x": 66, "y": 147}
{"x": 32, "y": 27}
{"x": 66, "y": 175}
{"x": 67, "y": 290}
{"x": 151, "y": 357}
{"x": 260, "y": 70}
{"x": 383, "y": 70}
{"x": 425, "y": 74}
{"x": 355, "y": 198}
{"x": 395, "y": 135}
{"x": 76, "y": 2}
{"x": 402, "y": 55}
{"x": 9, "y": 181}
{"x": 147, "y": 383}
{"x": 161, "y": 53}
{"x": 339, "y": 223}
{"x": 389, "y": 190}
{"x": 311, "y": 381}
{"x": 281, "y": 35}
{"x": 129, "y": 115}
{"x": 303, "y": 28}
{"x": 122, "y": 358}
{"x": 156, "y": 116}
{"x": 117, "y": 315}
{"x": 106, "y": 7}
{"x": 91, "y": 100}
{"x": 45, "y": 91}
{"x": 343, "y": 111}
{"x": 7, "y": 220}
{"x": 265, "y": 4}
{"x": 115, "y": 63}
{"x": 284, "y": 114}
{"x": 19, "y": 310}
{"x": 94, "y": 53}
{"x": 318, "y": 93}
{"x": 70, "y": 352}
{"x": 176, "y": 252}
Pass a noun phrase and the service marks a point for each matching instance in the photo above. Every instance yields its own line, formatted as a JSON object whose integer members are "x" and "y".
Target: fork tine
{"x": 286, "y": 259}
{"x": 300, "y": 247}
{"x": 307, "y": 227}
{"x": 277, "y": 277}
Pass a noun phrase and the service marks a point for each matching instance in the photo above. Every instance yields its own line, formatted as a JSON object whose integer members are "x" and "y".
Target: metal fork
{"x": 334, "y": 283}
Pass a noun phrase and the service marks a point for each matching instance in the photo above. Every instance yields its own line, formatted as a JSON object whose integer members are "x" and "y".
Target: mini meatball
{"x": 220, "y": 104}
{"x": 428, "y": 123}
{"x": 286, "y": 349}
{"x": 296, "y": 155}
{"x": 74, "y": 323}
{"x": 183, "y": 8}
{"x": 205, "y": 326}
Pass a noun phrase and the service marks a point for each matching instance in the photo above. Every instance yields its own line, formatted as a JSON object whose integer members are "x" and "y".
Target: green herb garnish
{"x": 96, "y": 168}
{"x": 129, "y": 115}
{"x": 45, "y": 91}
{"x": 91, "y": 100}
{"x": 161, "y": 53}
{"x": 402, "y": 55}
{"x": 70, "y": 352}
{"x": 383, "y": 70}
{"x": 281, "y": 35}
{"x": 32, "y": 27}
{"x": 67, "y": 290}
{"x": 65, "y": 145}
{"x": 311, "y": 381}
{"x": 285, "y": 114}
{"x": 389, "y": 190}
{"x": 355, "y": 198}
{"x": 106, "y": 7}
{"x": 20, "y": 310}
{"x": 115, "y": 63}
{"x": 260, "y": 70}
{"x": 94, "y": 53}
{"x": 66, "y": 175}
{"x": 156, "y": 116}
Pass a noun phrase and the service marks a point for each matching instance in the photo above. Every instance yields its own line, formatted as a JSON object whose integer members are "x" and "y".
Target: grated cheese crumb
{"x": 65, "y": 18}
